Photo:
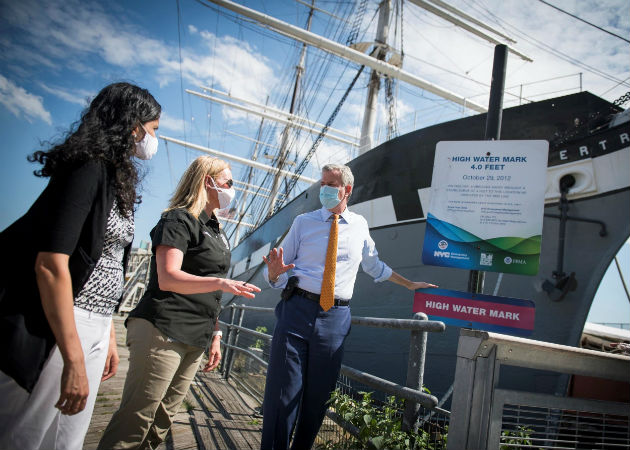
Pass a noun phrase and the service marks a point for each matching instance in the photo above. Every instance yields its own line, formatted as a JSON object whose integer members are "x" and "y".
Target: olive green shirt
{"x": 187, "y": 318}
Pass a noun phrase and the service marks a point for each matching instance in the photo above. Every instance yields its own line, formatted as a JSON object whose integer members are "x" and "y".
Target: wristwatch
{"x": 217, "y": 333}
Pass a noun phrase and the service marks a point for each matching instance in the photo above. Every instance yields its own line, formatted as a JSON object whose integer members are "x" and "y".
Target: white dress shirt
{"x": 306, "y": 243}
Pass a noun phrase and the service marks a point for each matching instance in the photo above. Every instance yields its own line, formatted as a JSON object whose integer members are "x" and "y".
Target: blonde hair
{"x": 191, "y": 190}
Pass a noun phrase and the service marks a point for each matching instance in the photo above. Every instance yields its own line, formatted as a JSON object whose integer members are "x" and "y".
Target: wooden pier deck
{"x": 215, "y": 414}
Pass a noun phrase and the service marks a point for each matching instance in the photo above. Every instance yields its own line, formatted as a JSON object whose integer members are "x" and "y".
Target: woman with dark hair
{"x": 63, "y": 274}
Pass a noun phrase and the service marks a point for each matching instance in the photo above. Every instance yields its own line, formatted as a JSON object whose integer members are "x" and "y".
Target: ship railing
{"x": 487, "y": 415}
{"x": 421, "y": 410}
{"x": 138, "y": 272}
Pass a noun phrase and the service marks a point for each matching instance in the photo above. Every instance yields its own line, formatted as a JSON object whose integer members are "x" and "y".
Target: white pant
{"x": 31, "y": 422}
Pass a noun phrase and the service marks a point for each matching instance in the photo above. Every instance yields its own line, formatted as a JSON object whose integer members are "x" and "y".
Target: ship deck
{"x": 214, "y": 415}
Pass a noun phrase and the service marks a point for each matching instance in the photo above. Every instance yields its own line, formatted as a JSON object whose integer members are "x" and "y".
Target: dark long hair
{"x": 104, "y": 132}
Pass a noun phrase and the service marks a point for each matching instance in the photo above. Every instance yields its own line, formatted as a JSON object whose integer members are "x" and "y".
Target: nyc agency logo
{"x": 508, "y": 260}
{"x": 442, "y": 245}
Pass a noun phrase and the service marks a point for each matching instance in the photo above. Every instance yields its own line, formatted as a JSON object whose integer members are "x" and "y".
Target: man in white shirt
{"x": 313, "y": 319}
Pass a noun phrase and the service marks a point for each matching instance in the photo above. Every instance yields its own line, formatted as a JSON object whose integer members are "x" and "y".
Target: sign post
{"x": 485, "y": 214}
{"x": 493, "y": 130}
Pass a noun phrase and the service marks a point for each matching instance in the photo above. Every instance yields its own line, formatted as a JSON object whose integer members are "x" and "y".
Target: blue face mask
{"x": 329, "y": 196}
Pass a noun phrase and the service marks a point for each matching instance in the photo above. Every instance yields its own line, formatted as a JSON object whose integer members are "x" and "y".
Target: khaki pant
{"x": 160, "y": 373}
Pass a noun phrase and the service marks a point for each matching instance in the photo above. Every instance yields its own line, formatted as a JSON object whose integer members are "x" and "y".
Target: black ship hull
{"x": 391, "y": 184}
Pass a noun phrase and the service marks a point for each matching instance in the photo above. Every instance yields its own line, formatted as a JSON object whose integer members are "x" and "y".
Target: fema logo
{"x": 507, "y": 260}
{"x": 442, "y": 245}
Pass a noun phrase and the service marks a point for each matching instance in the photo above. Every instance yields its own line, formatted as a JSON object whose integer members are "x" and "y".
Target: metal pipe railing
{"x": 426, "y": 400}
{"x": 414, "y": 395}
{"x": 247, "y": 352}
{"x": 377, "y": 322}
{"x": 419, "y": 326}
{"x": 228, "y": 333}
{"x": 259, "y": 334}
{"x": 401, "y": 324}
{"x": 234, "y": 343}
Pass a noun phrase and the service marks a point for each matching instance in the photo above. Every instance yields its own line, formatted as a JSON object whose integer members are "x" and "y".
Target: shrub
{"x": 379, "y": 427}
{"x": 259, "y": 342}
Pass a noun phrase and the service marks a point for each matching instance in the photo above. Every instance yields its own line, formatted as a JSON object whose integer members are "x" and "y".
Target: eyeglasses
{"x": 229, "y": 182}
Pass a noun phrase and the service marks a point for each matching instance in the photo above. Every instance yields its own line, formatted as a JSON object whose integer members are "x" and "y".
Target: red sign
{"x": 482, "y": 312}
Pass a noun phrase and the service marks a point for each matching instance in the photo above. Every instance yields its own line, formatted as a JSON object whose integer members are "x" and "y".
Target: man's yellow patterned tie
{"x": 327, "y": 296}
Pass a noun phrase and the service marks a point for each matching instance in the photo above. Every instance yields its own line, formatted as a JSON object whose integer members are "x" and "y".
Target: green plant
{"x": 187, "y": 405}
{"x": 379, "y": 427}
{"x": 259, "y": 342}
{"x": 520, "y": 436}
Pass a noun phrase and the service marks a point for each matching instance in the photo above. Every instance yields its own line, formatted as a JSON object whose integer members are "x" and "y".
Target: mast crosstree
{"x": 377, "y": 59}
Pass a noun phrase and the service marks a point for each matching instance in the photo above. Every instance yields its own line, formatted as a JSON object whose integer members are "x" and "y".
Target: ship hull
{"x": 391, "y": 187}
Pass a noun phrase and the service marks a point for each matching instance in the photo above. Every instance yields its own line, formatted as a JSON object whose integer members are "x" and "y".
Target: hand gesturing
{"x": 242, "y": 288}
{"x": 275, "y": 263}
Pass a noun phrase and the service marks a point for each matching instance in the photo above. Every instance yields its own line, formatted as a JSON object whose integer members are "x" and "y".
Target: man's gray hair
{"x": 346, "y": 174}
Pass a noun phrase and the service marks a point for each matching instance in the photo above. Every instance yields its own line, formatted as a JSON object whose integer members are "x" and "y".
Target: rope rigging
{"x": 391, "y": 84}
{"x": 356, "y": 25}
{"x": 585, "y": 21}
{"x": 258, "y": 204}
{"x": 318, "y": 141}
{"x": 622, "y": 100}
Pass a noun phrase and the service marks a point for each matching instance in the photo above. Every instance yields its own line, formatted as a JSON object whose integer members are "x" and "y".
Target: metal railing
{"x": 419, "y": 406}
{"x": 486, "y": 416}
{"x": 138, "y": 272}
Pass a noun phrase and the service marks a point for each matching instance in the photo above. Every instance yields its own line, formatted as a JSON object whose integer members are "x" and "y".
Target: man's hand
{"x": 214, "y": 355}
{"x": 413, "y": 285}
{"x": 275, "y": 263}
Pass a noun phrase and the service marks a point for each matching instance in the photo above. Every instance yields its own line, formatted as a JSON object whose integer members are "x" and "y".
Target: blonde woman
{"x": 173, "y": 323}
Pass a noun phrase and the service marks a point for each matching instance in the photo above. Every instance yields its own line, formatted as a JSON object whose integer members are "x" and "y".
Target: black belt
{"x": 315, "y": 297}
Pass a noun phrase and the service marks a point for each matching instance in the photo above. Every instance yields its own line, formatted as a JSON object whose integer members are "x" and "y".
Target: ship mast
{"x": 376, "y": 60}
{"x": 347, "y": 53}
{"x": 380, "y": 52}
{"x": 282, "y": 155}
{"x": 250, "y": 174}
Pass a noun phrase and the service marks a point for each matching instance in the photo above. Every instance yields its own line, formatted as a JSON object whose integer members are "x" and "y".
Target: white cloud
{"x": 67, "y": 32}
{"x": 78, "y": 96}
{"x": 330, "y": 152}
{"x": 168, "y": 122}
{"x": 61, "y": 34}
{"x": 22, "y": 103}
{"x": 246, "y": 73}
{"x": 437, "y": 42}
{"x": 25, "y": 56}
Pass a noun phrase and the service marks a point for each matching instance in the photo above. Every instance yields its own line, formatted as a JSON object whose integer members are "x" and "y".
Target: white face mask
{"x": 147, "y": 146}
{"x": 225, "y": 195}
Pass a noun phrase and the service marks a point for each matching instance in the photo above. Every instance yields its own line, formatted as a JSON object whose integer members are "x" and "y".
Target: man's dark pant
{"x": 306, "y": 354}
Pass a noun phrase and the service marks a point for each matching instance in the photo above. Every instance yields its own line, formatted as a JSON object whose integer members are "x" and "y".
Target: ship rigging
{"x": 385, "y": 62}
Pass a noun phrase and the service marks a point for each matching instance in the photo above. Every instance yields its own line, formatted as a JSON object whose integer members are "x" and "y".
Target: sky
{"x": 56, "y": 55}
